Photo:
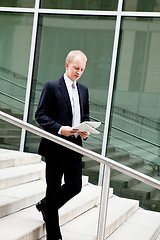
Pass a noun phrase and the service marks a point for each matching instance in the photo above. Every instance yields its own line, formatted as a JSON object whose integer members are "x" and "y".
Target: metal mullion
{"x": 140, "y": 14}
{"x": 30, "y": 71}
{"x": 104, "y": 169}
{"x": 78, "y": 12}
{"x": 110, "y": 89}
{"x": 15, "y": 9}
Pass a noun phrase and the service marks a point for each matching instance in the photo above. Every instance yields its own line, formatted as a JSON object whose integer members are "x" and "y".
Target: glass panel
{"x": 135, "y": 126}
{"x": 15, "y": 40}
{"x": 142, "y": 5}
{"x": 109, "y": 5}
{"x": 57, "y": 35}
{"x": 17, "y": 3}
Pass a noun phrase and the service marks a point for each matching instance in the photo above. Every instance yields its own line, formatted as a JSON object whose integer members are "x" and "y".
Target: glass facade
{"x": 94, "y": 36}
{"x": 17, "y": 3}
{"x": 15, "y": 42}
{"x": 142, "y": 5}
{"x": 131, "y": 67}
{"x": 110, "y": 5}
{"x": 135, "y": 110}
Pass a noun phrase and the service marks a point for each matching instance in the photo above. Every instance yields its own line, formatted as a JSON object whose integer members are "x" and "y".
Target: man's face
{"x": 75, "y": 69}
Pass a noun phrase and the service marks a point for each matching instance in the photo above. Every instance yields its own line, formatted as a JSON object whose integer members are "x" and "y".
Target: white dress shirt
{"x": 68, "y": 83}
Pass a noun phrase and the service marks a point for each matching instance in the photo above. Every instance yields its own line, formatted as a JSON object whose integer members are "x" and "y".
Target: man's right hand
{"x": 68, "y": 131}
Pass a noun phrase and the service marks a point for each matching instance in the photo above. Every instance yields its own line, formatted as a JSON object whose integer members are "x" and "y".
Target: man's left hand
{"x": 84, "y": 134}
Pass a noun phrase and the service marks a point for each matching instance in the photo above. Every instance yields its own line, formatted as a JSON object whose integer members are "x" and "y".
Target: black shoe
{"x": 41, "y": 209}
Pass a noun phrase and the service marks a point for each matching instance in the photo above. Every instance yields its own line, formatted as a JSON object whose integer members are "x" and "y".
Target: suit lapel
{"x": 80, "y": 99}
{"x": 65, "y": 93}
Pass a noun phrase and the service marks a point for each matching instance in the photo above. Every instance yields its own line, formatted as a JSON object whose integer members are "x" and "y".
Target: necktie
{"x": 76, "y": 105}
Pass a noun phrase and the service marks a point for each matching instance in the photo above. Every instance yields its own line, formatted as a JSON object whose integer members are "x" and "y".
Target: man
{"x": 58, "y": 111}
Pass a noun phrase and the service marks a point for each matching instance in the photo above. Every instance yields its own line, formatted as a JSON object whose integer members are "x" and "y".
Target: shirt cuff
{"x": 59, "y": 132}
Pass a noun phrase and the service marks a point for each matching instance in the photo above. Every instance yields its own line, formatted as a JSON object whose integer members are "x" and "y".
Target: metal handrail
{"x": 109, "y": 163}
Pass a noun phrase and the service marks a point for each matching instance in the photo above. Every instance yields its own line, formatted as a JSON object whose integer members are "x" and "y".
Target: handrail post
{"x": 104, "y": 203}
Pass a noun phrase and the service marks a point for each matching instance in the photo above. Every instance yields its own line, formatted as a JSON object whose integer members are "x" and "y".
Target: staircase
{"x": 22, "y": 184}
{"x": 125, "y": 186}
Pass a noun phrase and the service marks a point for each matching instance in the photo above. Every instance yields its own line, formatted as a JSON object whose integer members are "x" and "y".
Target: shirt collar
{"x": 67, "y": 80}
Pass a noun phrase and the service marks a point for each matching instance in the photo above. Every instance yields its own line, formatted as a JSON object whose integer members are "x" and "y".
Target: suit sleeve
{"x": 86, "y": 107}
{"x": 44, "y": 111}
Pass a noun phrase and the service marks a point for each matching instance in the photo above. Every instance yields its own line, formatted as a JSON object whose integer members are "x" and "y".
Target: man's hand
{"x": 84, "y": 135}
{"x": 68, "y": 131}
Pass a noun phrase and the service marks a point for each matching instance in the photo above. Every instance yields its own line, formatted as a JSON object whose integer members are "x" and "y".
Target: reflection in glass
{"x": 16, "y": 30}
{"x": 142, "y": 5}
{"x": 135, "y": 126}
{"x": 110, "y": 5}
{"x": 17, "y": 3}
{"x": 57, "y": 35}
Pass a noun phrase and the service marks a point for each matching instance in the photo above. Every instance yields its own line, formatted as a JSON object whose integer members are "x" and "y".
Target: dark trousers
{"x": 62, "y": 162}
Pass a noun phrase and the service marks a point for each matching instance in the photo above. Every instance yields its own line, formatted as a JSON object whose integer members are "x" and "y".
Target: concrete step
{"x": 85, "y": 226}
{"x": 118, "y": 155}
{"x": 87, "y": 199}
{"x": 28, "y": 223}
{"x": 11, "y": 139}
{"x": 14, "y": 176}
{"x": 124, "y": 181}
{"x": 16, "y": 198}
{"x": 91, "y": 168}
{"x": 25, "y": 222}
{"x": 97, "y": 147}
{"x": 11, "y": 158}
{"x": 153, "y": 203}
{"x": 93, "y": 175}
{"x": 142, "y": 224}
{"x": 9, "y": 146}
{"x": 132, "y": 162}
{"x": 139, "y": 191}
{"x": 148, "y": 196}
{"x": 89, "y": 163}
{"x": 10, "y": 131}
{"x": 6, "y": 125}
{"x": 6, "y": 110}
{"x": 157, "y": 196}
{"x": 111, "y": 149}
{"x": 10, "y": 112}
{"x": 137, "y": 148}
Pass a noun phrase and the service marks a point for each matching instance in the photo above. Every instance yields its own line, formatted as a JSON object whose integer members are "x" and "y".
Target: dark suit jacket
{"x": 54, "y": 110}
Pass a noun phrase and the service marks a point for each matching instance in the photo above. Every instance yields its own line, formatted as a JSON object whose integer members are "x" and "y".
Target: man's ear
{"x": 66, "y": 64}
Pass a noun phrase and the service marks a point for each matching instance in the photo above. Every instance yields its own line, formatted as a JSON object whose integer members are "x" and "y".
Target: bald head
{"x": 75, "y": 64}
{"x": 75, "y": 53}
